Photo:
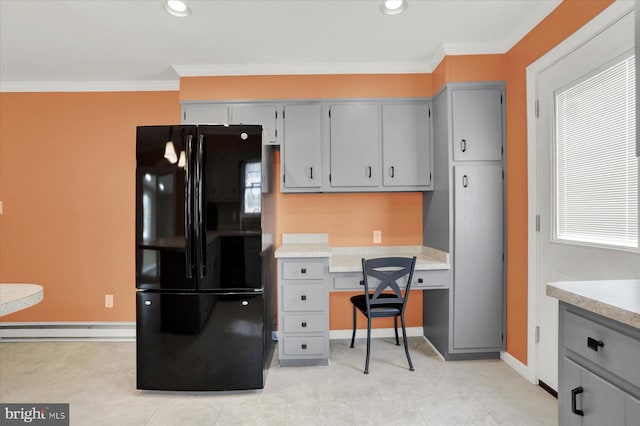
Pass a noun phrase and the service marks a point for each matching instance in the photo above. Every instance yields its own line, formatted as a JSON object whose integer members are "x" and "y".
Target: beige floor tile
{"x": 97, "y": 379}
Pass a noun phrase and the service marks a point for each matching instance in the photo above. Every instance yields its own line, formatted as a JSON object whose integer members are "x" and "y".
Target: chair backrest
{"x": 388, "y": 270}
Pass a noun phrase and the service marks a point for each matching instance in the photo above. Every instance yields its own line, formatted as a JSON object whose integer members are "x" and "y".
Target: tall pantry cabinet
{"x": 464, "y": 216}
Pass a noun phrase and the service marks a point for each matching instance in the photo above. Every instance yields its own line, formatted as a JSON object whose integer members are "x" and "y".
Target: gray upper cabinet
{"x": 406, "y": 147}
{"x": 205, "y": 114}
{"x": 354, "y": 145}
{"x": 637, "y": 48}
{"x": 478, "y": 248}
{"x": 477, "y": 124}
{"x": 302, "y": 148}
{"x": 265, "y": 115}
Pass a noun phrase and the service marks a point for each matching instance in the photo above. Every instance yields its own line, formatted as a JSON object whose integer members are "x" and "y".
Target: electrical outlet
{"x": 377, "y": 237}
{"x": 108, "y": 300}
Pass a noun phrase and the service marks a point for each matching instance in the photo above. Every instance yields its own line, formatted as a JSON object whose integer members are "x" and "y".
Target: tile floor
{"x": 97, "y": 379}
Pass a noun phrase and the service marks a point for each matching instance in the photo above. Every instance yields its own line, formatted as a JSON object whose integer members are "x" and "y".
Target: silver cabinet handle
{"x": 463, "y": 145}
{"x": 465, "y": 181}
{"x": 392, "y": 171}
{"x": 310, "y": 175}
{"x": 369, "y": 171}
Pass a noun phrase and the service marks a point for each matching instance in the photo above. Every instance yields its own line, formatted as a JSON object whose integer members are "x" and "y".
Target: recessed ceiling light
{"x": 177, "y": 8}
{"x": 394, "y": 7}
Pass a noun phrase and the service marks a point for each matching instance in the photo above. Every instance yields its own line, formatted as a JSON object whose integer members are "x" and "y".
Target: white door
{"x": 560, "y": 261}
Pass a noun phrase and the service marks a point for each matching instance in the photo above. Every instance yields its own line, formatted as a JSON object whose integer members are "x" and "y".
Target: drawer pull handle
{"x": 420, "y": 280}
{"x": 303, "y": 270}
{"x": 304, "y": 324}
{"x": 303, "y": 297}
{"x": 304, "y": 346}
{"x": 463, "y": 145}
{"x": 574, "y": 394}
{"x": 594, "y": 344}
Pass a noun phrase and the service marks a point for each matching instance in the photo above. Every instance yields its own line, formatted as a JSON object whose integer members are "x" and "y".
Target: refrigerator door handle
{"x": 200, "y": 233}
{"x": 188, "y": 211}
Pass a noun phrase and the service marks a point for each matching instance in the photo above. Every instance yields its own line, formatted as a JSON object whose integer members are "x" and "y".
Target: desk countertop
{"x": 15, "y": 297}
{"x": 615, "y": 299}
{"x": 348, "y": 259}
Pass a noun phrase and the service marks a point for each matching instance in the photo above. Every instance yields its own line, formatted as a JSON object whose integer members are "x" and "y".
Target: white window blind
{"x": 596, "y": 171}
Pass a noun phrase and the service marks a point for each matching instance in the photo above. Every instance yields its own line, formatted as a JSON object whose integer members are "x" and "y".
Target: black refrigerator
{"x": 205, "y": 272}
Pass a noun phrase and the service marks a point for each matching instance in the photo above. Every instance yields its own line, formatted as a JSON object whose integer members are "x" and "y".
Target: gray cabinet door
{"x": 477, "y": 124}
{"x": 265, "y": 115}
{"x": 478, "y": 249}
{"x": 406, "y": 153}
{"x": 354, "y": 145}
{"x": 302, "y": 147}
{"x": 601, "y": 402}
{"x": 205, "y": 114}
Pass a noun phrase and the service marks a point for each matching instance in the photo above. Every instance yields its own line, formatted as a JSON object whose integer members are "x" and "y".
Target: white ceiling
{"x": 135, "y": 44}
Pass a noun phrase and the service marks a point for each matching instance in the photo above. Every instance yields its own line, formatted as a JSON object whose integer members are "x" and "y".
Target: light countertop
{"x": 15, "y": 297}
{"x": 349, "y": 259}
{"x": 615, "y": 299}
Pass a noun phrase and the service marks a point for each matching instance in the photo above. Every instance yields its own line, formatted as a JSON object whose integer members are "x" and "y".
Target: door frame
{"x": 603, "y": 20}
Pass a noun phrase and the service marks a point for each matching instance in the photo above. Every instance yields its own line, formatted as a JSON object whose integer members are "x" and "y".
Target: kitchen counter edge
{"x": 618, "y": 300}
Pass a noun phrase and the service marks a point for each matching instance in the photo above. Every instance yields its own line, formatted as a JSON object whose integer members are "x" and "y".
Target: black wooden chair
{"x": 386, "y": 299}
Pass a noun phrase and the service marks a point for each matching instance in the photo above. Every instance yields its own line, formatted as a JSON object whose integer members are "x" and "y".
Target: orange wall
{"x": 67, "y": 182}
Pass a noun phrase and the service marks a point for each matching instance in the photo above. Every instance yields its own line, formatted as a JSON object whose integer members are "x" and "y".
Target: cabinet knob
{"x": 594, "y": 344}
{"x": 303, "y": 346}
{"x": 303, "y": 297}
{"x": 420, "y": 280}
{"x": 303, "y": 270}
{"x": 304, "y": 324}
{"x": 361, "y": 282}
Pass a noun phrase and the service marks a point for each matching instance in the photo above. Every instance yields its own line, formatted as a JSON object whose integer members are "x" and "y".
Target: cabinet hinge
{"x": 283, "y": 114}
{"x": 502, "y": 336}
{"x": 500, "y": 98}
{"x": 537, "y": 334}
{"x": 538, "y": 223}
{"x": 537, "y": 108}
{"x": 184, "y": 116}
{"x": 502, "y": 174}
{"x": 329, "y": 177}
{"x": 276, "y": 133}
{"x": 329, "y": 112}
{"x": 276, "y": 114}
{"x": 502, "y": 150}
{"x": 284, "y": 178}
{"x": 430, "y": 177}
{"x": 429, "y": 112}
{"x": 503, "y": 257}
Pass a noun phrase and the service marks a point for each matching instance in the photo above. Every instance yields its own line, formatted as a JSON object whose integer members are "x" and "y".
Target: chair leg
{"x": 395, "y": 323}
{"x": 406, "y": 346}
{"x": 353, "y": 336}
{"x": 366, "y": 365}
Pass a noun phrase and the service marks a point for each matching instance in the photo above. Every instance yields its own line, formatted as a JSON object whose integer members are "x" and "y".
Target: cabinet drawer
{"x": 304, "y": 297}
{"x": 303, "y": 270}
{"x": 610, "y": 349}
{"x": 421, "y": 279}
{"x": 430, "y": 279}
{"x": 305, "y": 345}
{"x": 311, "y": 323}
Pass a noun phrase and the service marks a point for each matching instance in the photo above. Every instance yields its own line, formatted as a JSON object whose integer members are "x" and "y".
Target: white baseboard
{"x": 375, "y": 332}
{"x": 67, "y": 331}
{"x": 522, "y": 369}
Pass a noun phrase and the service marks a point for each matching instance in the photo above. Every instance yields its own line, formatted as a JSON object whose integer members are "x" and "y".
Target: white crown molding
{"x": 89, "y": 86}
{"x": 301, "y": 69}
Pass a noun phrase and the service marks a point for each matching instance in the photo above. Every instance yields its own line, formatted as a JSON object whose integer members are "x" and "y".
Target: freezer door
{"x": 200, "y": 341}
{"x": 164, "y": 207}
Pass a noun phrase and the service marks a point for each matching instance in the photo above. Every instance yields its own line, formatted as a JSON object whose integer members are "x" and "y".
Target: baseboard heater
{"x": 67, "y": 331}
